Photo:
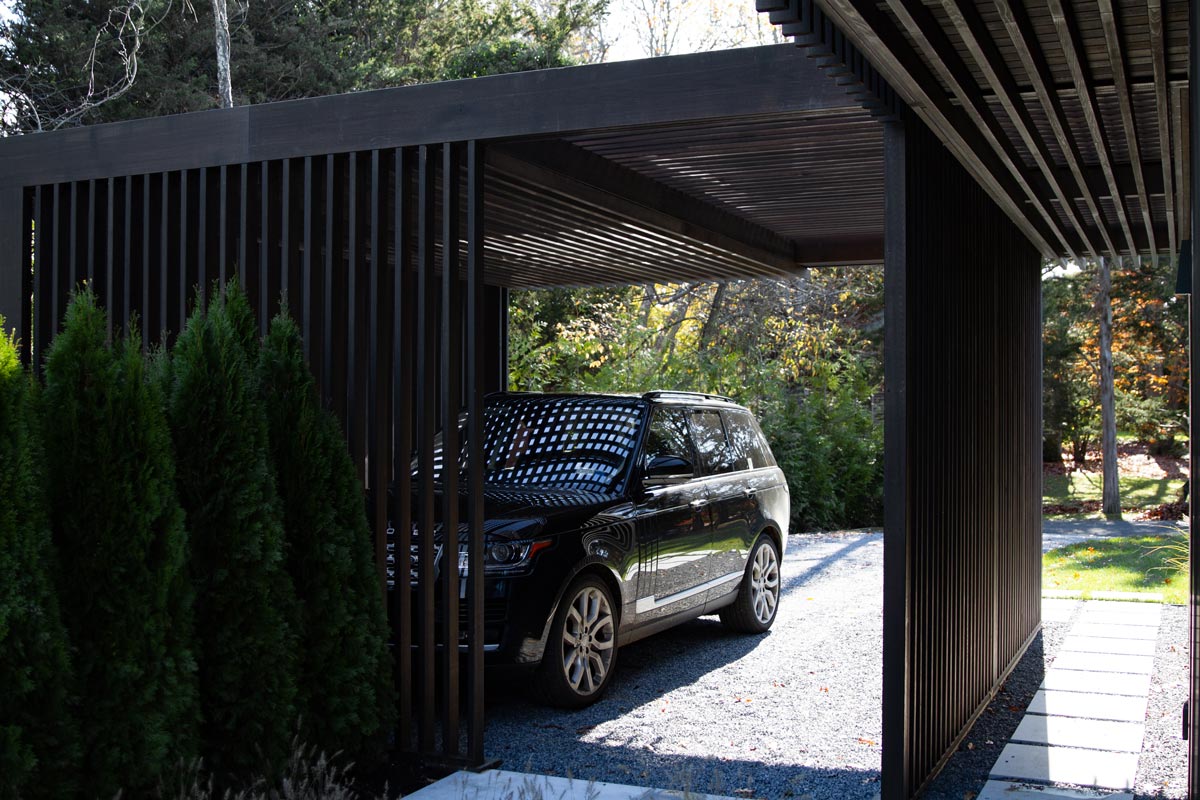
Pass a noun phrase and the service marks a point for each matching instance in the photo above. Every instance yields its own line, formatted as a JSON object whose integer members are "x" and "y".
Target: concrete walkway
{"x": 1085, "y": 725}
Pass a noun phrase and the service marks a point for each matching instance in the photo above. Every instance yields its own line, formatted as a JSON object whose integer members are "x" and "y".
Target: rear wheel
{"x": 758, "y": 596}
{"x": 582, "y": 649}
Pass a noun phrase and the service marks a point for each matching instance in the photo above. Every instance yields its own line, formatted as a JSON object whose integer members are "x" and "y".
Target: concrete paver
{"x": 1066, "y": 765}
{"x": 1006, "y": 790}
{"x": 1148, "y": 632}
{"x": 1069, "y": 680}
{"x": 1106, "y": 644}
{"x": 1103, "y": 662}
{"x": 1088, "y": 706}
{"x": 1093, "y": 734}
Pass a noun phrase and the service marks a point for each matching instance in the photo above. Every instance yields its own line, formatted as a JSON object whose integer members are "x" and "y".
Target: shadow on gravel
{"x": 823, "y": 565}
{"x": 646, "y": 670}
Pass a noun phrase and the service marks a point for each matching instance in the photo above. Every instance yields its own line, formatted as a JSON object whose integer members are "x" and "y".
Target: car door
{"x": 727, "y": 499}
{"x": 672, "y": 522}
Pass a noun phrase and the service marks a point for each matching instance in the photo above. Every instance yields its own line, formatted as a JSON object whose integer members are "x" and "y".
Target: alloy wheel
{"x": 764, "y": 583}
{"x": 589, "y": 633}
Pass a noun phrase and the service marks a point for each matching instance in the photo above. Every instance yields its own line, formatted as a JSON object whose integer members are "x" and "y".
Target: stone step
{"x": 1028, "y": 762}
{"x": 1103, "y": 662}
{"x": 1092, "y": 734}
{"x": 1096, "y": 644}
{"x": 1088, "y": 706}
{"x": 1068, "y": 680}
{"x": 1006, "y": 790}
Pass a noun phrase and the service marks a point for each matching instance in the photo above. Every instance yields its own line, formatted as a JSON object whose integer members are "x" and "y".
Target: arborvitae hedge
{"x": 345, "y": 670}
{"x": 38, "y": 750}
{"x": 121, "y": 542}
{"x": 244, "y": 597}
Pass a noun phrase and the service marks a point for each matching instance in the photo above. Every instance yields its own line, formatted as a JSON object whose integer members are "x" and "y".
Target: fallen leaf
{"x": 970, "y": 745}
{"x": 861, "y": 740}
{"x": 1075, "y": 576}
{"x": 825, "y": 689}
{"x": 1015, "y": 709}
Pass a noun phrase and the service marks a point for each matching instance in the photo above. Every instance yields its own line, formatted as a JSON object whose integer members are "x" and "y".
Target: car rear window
{"x": 579, "y": 443}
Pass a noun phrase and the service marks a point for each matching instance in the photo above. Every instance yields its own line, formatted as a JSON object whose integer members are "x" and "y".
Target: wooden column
{"x": 14, "y": 264}
{"x": 962, "y": 497}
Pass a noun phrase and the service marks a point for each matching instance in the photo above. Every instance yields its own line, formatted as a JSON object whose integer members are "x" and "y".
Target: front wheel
{"x": 758, "y": 596}
{"x": 582, "y": 649}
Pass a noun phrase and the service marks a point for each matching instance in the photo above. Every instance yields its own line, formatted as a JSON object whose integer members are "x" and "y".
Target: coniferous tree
{"x": 121, "y": 540}
{"x": 244, "y": 598}
{"x": 37, "y": 744}
{"x": 345, "y": 670}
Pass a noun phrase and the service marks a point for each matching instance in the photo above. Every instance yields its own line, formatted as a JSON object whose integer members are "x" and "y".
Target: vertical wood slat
{"x": 202, "y": 234}
{"x": 1191, "y": 128}
{"x": 73, "y": 237}
{"x": 451, "y": 395}
{"x": 306, "y": 264}
{"x": 110, "y": 265}
{"x": 163, "y": 255}
{"x": 16, "y": 227}
{"x": 55, "y": 240}
{"x": 91, "y": 233}
{"x": 353, "y": 251}
{"x": 476, "y": 346}
{"x": 181, "y": 269}
{"x": 378, "y": 377}
{"x": 127, "y": 253}
{"x": 264, "y": 246}
{"x": 403, "y": 335}
{"x": 426, "y": 423}
{"x": 327, "y": 315}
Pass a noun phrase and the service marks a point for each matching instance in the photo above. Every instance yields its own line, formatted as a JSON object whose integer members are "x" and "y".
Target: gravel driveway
{"x": 790, "y": 714}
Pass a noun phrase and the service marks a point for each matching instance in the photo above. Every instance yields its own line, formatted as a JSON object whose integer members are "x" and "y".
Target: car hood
{"x": 520, "y": 512}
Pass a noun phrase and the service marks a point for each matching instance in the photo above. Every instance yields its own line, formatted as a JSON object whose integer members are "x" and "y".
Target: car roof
{"x": 655, "y": 397}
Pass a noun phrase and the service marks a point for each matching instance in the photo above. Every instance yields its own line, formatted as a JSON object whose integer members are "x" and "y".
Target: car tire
{"x": 581, "y": 651}
{"x": 758, "y": 596}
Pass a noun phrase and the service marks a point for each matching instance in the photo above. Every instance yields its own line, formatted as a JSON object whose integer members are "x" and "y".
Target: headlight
{"x": 511, "y": 555}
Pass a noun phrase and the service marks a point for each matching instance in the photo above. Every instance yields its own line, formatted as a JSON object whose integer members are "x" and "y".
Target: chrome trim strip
{"x": 645, "y": 604}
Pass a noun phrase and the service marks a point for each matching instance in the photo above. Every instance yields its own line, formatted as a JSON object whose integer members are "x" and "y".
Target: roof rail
{"x": 672, "y": 393}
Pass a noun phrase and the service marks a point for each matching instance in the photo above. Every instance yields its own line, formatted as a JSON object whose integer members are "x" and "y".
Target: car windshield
{"x": 554, "y": 442}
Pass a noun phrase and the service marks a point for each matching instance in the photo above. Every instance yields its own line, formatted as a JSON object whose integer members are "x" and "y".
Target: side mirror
{"x": 667, "y": 469}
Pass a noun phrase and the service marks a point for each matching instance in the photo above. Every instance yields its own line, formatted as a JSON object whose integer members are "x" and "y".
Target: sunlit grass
{"x": 1124, "y": 564}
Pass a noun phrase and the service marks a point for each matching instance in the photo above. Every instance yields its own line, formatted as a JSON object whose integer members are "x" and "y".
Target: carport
{"x": 731, "y": 164}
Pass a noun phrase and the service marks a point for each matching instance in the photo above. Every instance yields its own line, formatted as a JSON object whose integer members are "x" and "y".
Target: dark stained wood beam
{"x": 873, "y": 31}
{"x": 1182, "y": 159}
{"x": 701, "y": 86}
{"x": 921, "y": 25}
{"x": 1154, "y": 15}
{"x": 847, "y": 252}
{"x": 594, "y": 181}
{"x": 1028, "y": 48}
{"x": 983, "y": 49}
{"x": 1068, "y": 37}
{"x": 1120, "y": 70}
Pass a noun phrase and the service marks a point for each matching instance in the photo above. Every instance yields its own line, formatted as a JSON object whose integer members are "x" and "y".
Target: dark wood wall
{"x": 962, "y": 572}
{"x": 401, "y": 333}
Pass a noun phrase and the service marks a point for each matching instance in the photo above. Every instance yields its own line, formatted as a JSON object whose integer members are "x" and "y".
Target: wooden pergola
{"x": 394, "y": 222}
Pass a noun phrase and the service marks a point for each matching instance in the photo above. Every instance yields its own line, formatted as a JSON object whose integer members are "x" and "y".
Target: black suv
{"x": 611, "y": 517}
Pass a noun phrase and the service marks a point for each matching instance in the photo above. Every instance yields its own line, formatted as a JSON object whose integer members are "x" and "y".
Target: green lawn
{"x": 1135, "y": 492}
{"x": 1133, "y": 564}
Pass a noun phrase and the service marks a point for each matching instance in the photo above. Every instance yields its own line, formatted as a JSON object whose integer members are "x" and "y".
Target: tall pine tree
{"x": 121, "y": 540}
{"x": 37, "y": 745}
{"x": 244, "y": 598}
{"x": 346, "y": 674}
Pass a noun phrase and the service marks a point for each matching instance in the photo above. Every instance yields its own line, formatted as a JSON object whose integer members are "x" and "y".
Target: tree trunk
{"x": 1108, "y": 419}
{"x": 714, "y": 312}
{"x": 221, "y": 26}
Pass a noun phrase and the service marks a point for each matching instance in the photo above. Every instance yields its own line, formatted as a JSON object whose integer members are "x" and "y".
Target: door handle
{"x": 748, "y": 493}
{"x": 698, "y": 503}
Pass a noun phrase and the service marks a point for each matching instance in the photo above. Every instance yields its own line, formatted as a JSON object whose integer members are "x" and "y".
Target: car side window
{"x": 668, "y": 437}
{"x": 708, "y": 432}
{"x": 749, "y": 446}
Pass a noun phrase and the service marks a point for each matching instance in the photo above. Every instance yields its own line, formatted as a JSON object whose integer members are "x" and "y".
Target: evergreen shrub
{"x": 122, "y": 545}
{"x": 345, "y": 669}
{"x": 245, "y": 603}
{"x": 37, "y": 745}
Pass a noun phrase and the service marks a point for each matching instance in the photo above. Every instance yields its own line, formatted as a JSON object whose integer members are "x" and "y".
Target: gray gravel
{"x": 1162, "y": 768}
{"x": 794, "y": 713}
